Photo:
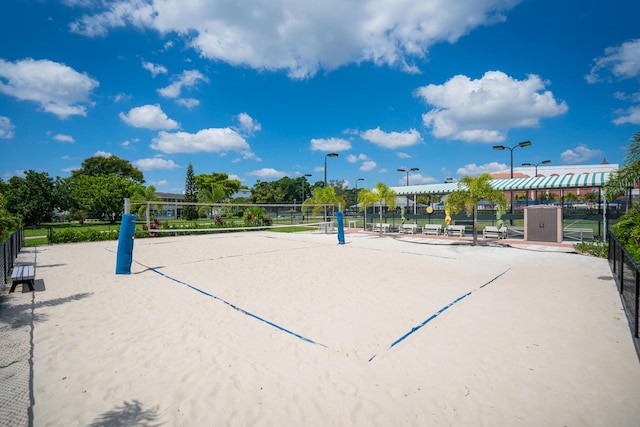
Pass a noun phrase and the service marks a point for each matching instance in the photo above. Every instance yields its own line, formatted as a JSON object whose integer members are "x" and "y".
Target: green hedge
{"x": 86, "y": 235}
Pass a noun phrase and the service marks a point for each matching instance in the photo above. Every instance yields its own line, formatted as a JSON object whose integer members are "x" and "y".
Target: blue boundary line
{"x": 235, "y": 307}
{"x": 439, "y": 312}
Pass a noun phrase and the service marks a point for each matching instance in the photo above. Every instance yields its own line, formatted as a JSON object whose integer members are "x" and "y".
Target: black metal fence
{"x": 9, "y": 250}
{"x": 627, "y": 275}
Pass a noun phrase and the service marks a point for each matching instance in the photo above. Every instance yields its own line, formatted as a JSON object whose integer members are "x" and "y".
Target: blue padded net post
{"x": 340, "y": 228}
{"x": 124, "y": 257}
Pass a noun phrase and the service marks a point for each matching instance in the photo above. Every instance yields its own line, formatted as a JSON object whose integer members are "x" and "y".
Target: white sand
{"x": 545, "y": 343}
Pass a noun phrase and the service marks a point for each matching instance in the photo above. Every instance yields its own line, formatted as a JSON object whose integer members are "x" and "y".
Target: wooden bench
{"x": 434, "y": 229}
{"x": 495, "y": 232}
{"x": 453, "y": 230}
{"x": 23, "y": 274}
{"x": 408, "y": 228}
{"x": 578, "y": 233}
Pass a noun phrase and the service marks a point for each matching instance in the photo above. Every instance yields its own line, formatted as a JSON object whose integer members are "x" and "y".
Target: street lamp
{"x": 408, "y": 171}
{"x": 325, "y": 182}
{"x": 544, "y": 162}
{"x": 303, "y": 182}
{"x": 325, "y": 166}
{"x": 502, "y": 147}
{"x": 359, "y": 179}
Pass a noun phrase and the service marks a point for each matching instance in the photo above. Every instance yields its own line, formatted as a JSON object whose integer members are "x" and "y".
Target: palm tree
{"x": 381, "y": 193}
{"x": 624, "y": 179}
{"x": 470, "y": 192}
{"x": 141, "y": 195}
{"x": 215, "y": 195}
{"x": 322, "y": 197}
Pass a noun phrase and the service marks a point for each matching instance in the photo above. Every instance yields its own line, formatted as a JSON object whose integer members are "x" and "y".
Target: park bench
{"x": 23, "y": 274}
{"x": 326, "y": 227}
{"x": 455, "y": 230}
{"x": 408, "y": 228}
{"x": 435, "y": 229}
{"x": 578, "y": 233}
{"x": 495, "y": 232}
{"x": 376, "y": 226}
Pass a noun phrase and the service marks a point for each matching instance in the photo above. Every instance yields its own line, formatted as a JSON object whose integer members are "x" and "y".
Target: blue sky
{"x": 262, "y": 90}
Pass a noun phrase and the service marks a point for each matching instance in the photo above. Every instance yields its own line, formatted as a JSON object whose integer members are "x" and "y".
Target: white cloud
{"x": 57, "y": 88}
{"x": 188, "y": 102}
{"x": 101, "y": 153}
{"x": 219, "y": 140}
{"x": 630, "y": 115}
{"x": 188, "y": 79}
{"x": 475, "y": 170}
{"x": 268, "y": 173}
{"x": 402, "y": 155}
{"x": 392, "y": 140}
{"x": 149, "y": 117}
{"x": 156, "y": 162}
{"x": 247, "y": 125}
{"x": 416, "y": 179}
{"x": 64, "y": 138}
{"x": 580, "y": 154}
{"x": 330, "y": 144}
{"x": 483, "y": 110}
{"x": 160, "y": 183}
{"x": 7, "y": 129}
{"x": 121, "y": 97}
{"x": 154, "y": 69}
{"x": 622, "y": 61}
{"x": 368, "y": 165}
{"x": 303, "y": 37}
{"x": 129, "y": 142}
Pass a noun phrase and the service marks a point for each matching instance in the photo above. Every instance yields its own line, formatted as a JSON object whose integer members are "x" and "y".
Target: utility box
{"x": 543, "y": 223}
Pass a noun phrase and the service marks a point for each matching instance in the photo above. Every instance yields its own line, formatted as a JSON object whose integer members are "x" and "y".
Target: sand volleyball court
{"x": 273, "y": 329}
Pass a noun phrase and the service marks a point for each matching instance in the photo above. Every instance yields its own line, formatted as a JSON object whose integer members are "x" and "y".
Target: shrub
{"x": 627, "y": 230}
{"x": 69, "y": 235}
{"x": 596, "y": 248}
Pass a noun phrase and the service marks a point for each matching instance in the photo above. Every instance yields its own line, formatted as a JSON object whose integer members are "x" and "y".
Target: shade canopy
{"x": 553, "y": 182}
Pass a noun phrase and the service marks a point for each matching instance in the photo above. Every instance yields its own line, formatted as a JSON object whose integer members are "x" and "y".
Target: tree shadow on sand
{"x": 130, "y": 414}
{"x": 19, "y": 315}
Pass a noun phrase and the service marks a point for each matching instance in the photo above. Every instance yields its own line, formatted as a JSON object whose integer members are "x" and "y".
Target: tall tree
{"x": 470, "y": 192}
{"x": 98, "y": 165}
{"x": 381, "y": 193}
{"x": 190, "y": 212}
{"x": 101, "y": 196}
{"x": 8, "y": 222}
{"x": 31, "y": 197}
{"x": 267, "y": 192}
{"x": 216, "y": 181}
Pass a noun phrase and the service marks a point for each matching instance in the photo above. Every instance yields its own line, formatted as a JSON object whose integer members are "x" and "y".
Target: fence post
{"x": 636, "y": 333}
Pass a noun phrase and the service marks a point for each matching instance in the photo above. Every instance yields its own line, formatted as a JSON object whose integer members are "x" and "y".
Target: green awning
{"x": 583, "y": 180}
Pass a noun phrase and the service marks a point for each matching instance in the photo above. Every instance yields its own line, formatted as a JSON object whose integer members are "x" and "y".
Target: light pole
{"x": 325, "y": 180}
{"x": 503, "y": 147}
{"x": 544, "y": 162}
{"x": 325, "y": 166}
{"x": 408, "y": 171}
{"x": 304, "y": 180}
{"x": 359, "y": 179}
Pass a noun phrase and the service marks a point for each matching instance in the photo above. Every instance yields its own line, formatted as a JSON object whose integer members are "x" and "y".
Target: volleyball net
{"x": 181, "y": 218}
